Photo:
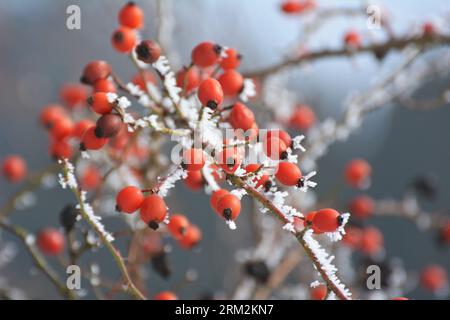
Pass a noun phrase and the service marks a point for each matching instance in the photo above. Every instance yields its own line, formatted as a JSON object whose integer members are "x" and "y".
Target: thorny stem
{"x": 238, "y": 182}
{"x": 37, "y": 257}
{"x": 113, "y": 251}
{"x": 380, "y": 48}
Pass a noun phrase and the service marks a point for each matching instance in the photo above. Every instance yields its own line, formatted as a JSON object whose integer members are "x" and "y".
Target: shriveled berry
{"x": 108, "y": 125}
{"x": 95, "y": 70}
{"x": 148, "y": 51}
{"x": 68, "y": 217}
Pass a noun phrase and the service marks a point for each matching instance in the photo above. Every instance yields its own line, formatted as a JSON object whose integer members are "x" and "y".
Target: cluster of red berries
{"x": 131, "y": 18}
{"x": 153, "y": 209}
{"x": 187, "y": 234}
{"x": 368, "y": 241}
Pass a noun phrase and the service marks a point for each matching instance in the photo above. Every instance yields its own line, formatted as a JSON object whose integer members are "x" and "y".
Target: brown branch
{"x": 238, "y": 182}
{"x": 380, "y": 49}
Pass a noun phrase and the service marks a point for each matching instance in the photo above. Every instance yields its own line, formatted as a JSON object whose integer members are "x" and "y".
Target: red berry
{"x": 14, "y": 168}
{"x": 61, "y": 149}
{"x": 178, "y": 225}
{"x": 308, "y": 222}
{"x": 193, "y": 159}
{"x": 90, "y": 141}
{"x": 445, "y": 232}
{"x": 140, "y": 80}
{"x": 428, "y": 29}
{"x": 108, "y": 125}
{"x": 229, "y": 159}
{"x": 352, "y": 39}
{"x": 371, "y": 241}
{"x": 232, "y": 59}
{"x": 191, "y": 237}
{"x": 104, "y": 85}
{"x": 400, "y": 298}
{"x": 297, "y": 6}
{"x": 231, "y": 82}
{"x": 148, "y": 51}
{"x": 302, "y": 118}
{"x": 215, "y": 197}
{"x": 131, "y": 16}
{"x": 188, "y": 79}
{"x": 362, "y": 207}
{"x": 229, "y": 207}
{"x": 210, "y": 93}
{"x": 50, "y": 114}
{"x": 319, "y": 292}
{"x": 62, "y": 128}
{"x": 100, "y": 103}
{"x": 153, "y": 210}
{"x": 165, "y": 295}
{"x": 288, "y": 174}
{"x": 129, "y": 199}
{"x": 433, "y": 278}
{"x": 280, "y": 134}
{"x": 50, "y": 241}
{"x": 73, "y": 94}
{"x": 95, "y": 70}
{"x": 124, "y": 39}
{"x": 326, "y": 220}
{"x": 352, "y": 236}
{"x": 81, "y": 126}
{"x": 194, "y": 180}
{"x": 275, "y": 148}
{"x": 241, "y": 117}
{"x": 206, "y": 54}
{"x": 357, "y": 173}
{"x": 91, "y": 178}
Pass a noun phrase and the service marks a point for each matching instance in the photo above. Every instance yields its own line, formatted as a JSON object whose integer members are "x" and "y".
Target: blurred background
{"x": 38, "y": 54}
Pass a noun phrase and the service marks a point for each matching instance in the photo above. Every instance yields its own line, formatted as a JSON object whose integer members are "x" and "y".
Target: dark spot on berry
{"x": 118, "y": 209}
{"x": 153, "y": 225}
{"x": 284, "y": 155}
{"x": 183, "y": 165}
{"x": 227, "y": 214}
{"x": 84, "y": 80}
{"x": 217, "y": 49}
{"x": 267, "y": 185}
{"x": 90, "y": 100}
{"x": 182, "y": 230}
{"x": 239, "y": 56}
{"x": 82, "y": 147}
{"x": 142, "y": 51}
{"x": 212, "y": 105}
{"x": 301, "y": 183}
{"x": 340, "y": 220}
{"x": 98, "y": 132}
{"x": 118, "y": 36}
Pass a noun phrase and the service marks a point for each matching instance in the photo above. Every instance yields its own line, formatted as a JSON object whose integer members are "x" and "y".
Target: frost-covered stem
{"x": 114, "y": 252}
{"x": 33, "y": 183}
{"x": 238, "y": 182}
{"x": 38, "y": 259}
{"x": 323, "y": 273}
{"x": 380, "y": 48}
